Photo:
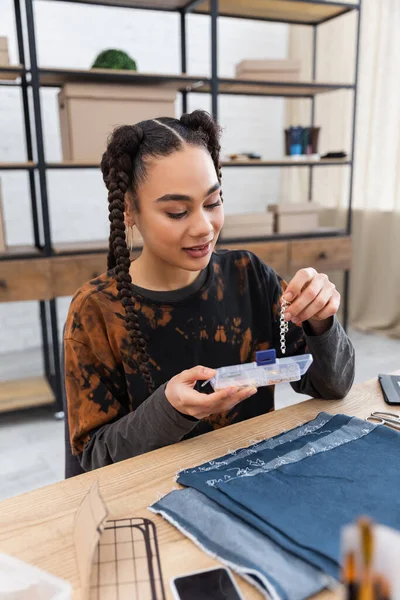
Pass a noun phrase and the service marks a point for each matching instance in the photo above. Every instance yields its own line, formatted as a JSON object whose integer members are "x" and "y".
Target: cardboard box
{"x": 89, "y": 113}
{"x": 268, "y": 70}
{"x": 4, "y": 58}
{"x": 295, "y": 218}
{"x": 247, "y": 225}
{"x": 3, "y": 246}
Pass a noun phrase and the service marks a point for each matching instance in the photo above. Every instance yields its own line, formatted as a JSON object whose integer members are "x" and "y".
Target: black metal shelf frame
{"x": 30, "y": 78}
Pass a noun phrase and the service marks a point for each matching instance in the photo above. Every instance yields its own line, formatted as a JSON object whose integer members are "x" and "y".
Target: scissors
{"x": 385, "y": 418}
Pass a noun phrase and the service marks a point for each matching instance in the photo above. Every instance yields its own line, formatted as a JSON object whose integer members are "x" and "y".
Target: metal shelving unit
{"x": 312, "y": 13}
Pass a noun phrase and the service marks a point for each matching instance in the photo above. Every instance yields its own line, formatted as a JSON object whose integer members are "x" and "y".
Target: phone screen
{"x": 209, "y": 585}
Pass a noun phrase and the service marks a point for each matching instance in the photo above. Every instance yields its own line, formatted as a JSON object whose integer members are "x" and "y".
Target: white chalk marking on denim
{"x": 294, "y": 434}
{"x": 353, "y": 430}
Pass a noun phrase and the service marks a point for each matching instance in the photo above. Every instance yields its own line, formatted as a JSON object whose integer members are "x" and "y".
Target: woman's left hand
{"x": 313, "y": 298}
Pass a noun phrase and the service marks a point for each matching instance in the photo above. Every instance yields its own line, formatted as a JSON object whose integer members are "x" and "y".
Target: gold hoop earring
{"x": 130, "y": 236}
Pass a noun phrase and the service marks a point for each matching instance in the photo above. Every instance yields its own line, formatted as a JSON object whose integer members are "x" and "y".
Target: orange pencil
{"x": 350, "y": 577}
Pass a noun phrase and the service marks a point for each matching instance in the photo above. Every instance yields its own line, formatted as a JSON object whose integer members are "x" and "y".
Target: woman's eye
{"x": 176, "y": 215}
{"x": 214, "y": 205}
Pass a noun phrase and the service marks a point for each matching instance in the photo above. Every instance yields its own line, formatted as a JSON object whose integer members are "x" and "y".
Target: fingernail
{"x": 209, "y": 372}
{"x": 288, "y": 297}
{"x": 296, "y": 321}
{"x": 252, "y": 392}
{"x": 288, "y": 316}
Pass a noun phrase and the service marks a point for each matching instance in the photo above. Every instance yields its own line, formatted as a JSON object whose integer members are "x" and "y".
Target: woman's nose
{"x": 201, "y": 225}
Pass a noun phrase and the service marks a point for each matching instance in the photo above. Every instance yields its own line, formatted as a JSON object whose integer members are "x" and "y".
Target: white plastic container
{"x": 21, "y": 581}
{"x": 258, "y": 375}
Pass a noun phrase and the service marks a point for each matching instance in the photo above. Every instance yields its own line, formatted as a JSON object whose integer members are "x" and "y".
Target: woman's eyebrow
{"x": 184, "y": 198}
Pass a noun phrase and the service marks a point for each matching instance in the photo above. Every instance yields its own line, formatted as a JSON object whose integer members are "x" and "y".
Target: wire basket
{"x": 127, "y": 563}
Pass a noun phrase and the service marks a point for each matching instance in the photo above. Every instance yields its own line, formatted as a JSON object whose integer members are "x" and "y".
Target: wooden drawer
{"x": 274, "y": 254}
{"x": 23, "y": 280}
{"x": 70, "y": 272}
{"x": 322, "y": 254}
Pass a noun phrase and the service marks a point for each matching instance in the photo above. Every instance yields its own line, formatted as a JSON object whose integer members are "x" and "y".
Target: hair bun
{"x": 202, "y": 121}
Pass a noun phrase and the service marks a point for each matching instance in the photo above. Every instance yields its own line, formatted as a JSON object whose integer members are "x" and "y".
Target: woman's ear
{"x": 129, "y": 213}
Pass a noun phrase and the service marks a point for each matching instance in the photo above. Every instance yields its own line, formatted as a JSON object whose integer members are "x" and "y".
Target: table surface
{"x": 37, "y": 526}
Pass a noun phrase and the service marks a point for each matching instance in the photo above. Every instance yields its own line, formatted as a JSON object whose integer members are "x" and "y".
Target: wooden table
{"x": 37, "y": 526}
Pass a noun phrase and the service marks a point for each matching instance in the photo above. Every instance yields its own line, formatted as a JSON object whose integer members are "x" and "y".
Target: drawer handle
{"x": 3, "y": 284}
{"x": 323, "y": 255}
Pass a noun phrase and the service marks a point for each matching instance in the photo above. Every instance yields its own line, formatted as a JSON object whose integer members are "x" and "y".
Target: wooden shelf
{"x": 162, "y": 5}
{"x": 10, "y": 73}
{"x": 303, "y": 12}
{"x": 54, "y": 77}
{"x": 20, "y": 252}
{"x": 67, "y": 248}
{"x": 287, "y": 162}
{"x": 287, "y": 11}
{"x": 279, "y": 162}
{"x": 245, "y": 87}
{"x": 17, "y": 166}
{"x": 320, "y": 233}
{"x": 74, "y": 264}
{"x": 78, "y": 247}
{"x": 193, "y": 83}
{"x": 74, "y": 164}
{"x": 25, "y": 393}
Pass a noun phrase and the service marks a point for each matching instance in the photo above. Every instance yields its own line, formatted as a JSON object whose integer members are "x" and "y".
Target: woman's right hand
{"x": 181, "y": 394}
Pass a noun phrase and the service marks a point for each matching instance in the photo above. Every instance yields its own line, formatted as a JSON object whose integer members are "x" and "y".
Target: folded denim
{"x": 301, "y": 487}
{"x": 275, "y": 572}
{"x": 296, "y": 490}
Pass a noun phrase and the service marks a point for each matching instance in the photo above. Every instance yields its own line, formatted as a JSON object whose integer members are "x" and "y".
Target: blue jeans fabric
{"x": 276, "y": 572}
{"x": 305, "y": 485}
{"x": 300, "y": 488}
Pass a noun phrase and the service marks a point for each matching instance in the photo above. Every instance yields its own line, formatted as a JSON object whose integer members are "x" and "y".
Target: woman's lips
{"x": 198, "y": 251}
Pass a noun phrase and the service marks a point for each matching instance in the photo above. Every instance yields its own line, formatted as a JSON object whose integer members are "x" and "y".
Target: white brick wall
{"x": 71, "y": 35}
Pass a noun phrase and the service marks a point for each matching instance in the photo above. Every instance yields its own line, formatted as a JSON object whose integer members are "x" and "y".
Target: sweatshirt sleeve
{"x": 331, "y": 374}
{"x": 102, "y": 429}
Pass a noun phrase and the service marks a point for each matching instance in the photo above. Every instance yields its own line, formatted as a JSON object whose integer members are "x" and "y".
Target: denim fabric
{"x": 278, "y": 573}
{"x": 301, "y": 487}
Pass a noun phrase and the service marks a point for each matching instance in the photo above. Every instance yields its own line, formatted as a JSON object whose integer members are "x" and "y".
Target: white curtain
{"x": 375, "y": 277}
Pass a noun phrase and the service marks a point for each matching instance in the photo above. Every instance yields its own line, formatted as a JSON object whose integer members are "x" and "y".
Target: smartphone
{"x": 390, "y": 385}
{"x": 212, "y": 584}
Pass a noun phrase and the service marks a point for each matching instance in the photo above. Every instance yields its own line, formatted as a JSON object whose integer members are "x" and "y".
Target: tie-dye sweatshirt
{"x": 223, "y": 318}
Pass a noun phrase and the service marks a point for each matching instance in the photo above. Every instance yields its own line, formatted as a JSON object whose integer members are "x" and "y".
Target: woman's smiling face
{"x": 180, "y": 209}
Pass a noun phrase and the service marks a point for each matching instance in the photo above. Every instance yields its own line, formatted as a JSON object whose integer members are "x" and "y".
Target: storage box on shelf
{"x": 4, "y": 58}
{"x": 89, "y": 112}
{"x": 3, "y": 247}
{"x": 268, "y": 70}
{"x": 7, "y": 72}
{"x": 247, "y": 226}
{"x": 295, "y": 218}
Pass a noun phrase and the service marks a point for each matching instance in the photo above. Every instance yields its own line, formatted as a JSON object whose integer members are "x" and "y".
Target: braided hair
{"x": 123, "y": 167}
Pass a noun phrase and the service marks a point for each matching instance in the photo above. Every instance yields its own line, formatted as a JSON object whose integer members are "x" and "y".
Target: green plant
{"x": 114, "y": 59}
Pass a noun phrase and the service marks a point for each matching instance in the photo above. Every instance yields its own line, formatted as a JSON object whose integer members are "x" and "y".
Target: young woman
{"x": 140, "y": 338}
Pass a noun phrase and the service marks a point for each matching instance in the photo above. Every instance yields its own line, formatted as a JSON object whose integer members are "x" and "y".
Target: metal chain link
{"x": 284, "y": 326}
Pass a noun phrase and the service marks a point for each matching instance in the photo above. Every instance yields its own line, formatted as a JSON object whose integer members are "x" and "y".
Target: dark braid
{"x": 117, "y": 181}
{"x": 124, "y": 168}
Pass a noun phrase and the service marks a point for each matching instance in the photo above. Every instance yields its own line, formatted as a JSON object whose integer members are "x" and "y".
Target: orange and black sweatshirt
{"x": 229, "y": 313}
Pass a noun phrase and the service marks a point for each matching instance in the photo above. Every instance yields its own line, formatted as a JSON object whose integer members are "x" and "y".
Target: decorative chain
{"x": 284, "y": 326}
